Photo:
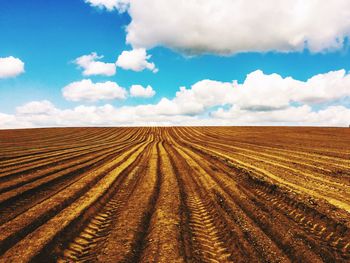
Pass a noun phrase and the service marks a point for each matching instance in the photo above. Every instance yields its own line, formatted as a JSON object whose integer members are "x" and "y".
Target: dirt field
{"x": 240, "y": 194}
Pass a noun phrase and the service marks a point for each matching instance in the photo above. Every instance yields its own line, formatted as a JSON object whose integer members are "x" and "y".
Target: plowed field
{"x": 183, "y": 194}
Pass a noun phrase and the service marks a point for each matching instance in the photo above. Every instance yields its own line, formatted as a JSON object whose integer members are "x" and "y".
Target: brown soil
{"x": 183, "y": 194}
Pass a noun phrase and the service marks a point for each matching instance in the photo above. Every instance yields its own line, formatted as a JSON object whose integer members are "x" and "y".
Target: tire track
{"x": 267, "y": 174}
{"x": 47, "y": 149}
{"x": 282, "y": 163}
{"x": 16, "y": 229}
{"x": 23, "y": 198}
{"x": 59, "y": 158}
{"x": 185, "y": 194}
{"x": 205, "y": 233}
{"x": 334, "y": 241}
{"x": 127, "y": 239}
{"x": 258, "y": 220}
{"x": 208, "y": 240}
{"x": 91, "y": 240}
{"x": 281, "y": 149}
{"x": 164, "y": 242}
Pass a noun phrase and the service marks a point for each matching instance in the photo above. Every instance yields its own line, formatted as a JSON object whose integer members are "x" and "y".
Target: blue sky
{"x": 48, "y": 36}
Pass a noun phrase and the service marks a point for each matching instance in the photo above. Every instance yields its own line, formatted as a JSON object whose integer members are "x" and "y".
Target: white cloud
{"x": 260, "y": 99}
{"x": 232, "y": 26}
{"x": 272, "y": 91}
{"x": 136, "y": 60}
{"x": 324, "y": 87}
{"x": 292, "y": 116}
{"x": 89, "y": 91}
{"x": 92, "y": 67}
{"x": 262, "y": 92}
{"x": 108, "y": 115}
{"x": 36, "y": 107}
{"x": 259, "y": 95}
{"x": 8, "y": 121}
{"x": 110, "y": 5}
{"x": 11, "y": 67}
{"x": 140, "y": 91}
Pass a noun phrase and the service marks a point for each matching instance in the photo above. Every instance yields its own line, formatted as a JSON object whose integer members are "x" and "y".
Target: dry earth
{"x": 189, "y": 194}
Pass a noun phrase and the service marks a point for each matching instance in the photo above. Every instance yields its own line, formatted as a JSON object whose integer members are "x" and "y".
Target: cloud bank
{"x": 261, "y": 99}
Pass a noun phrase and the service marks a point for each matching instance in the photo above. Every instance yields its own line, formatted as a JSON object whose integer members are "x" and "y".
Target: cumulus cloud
{"x": 322, "y": 88}
{"x": 108, "y": 115}
{"x": 291, "y": 116}
{"x": 136, "y": 60}
{"x": 110, "y": 5}
{"x": 261, "y": 99}
{"x": 260, "y": 90}
{"x": 263, "y": 92}
{"x": 11, "y": 67}
{"x": 9, "y": 121}
{"x": 36, "y": 107}
{"x": 259, "y": 95}
{"x": 92, "y": 67}
{"x": 233, "y": 26}
{"x": 89, "y": 91}
{"x": 140, "y": 91}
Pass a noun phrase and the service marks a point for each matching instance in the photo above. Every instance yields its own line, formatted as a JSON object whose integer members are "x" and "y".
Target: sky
{"x": 174, "y": 62}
